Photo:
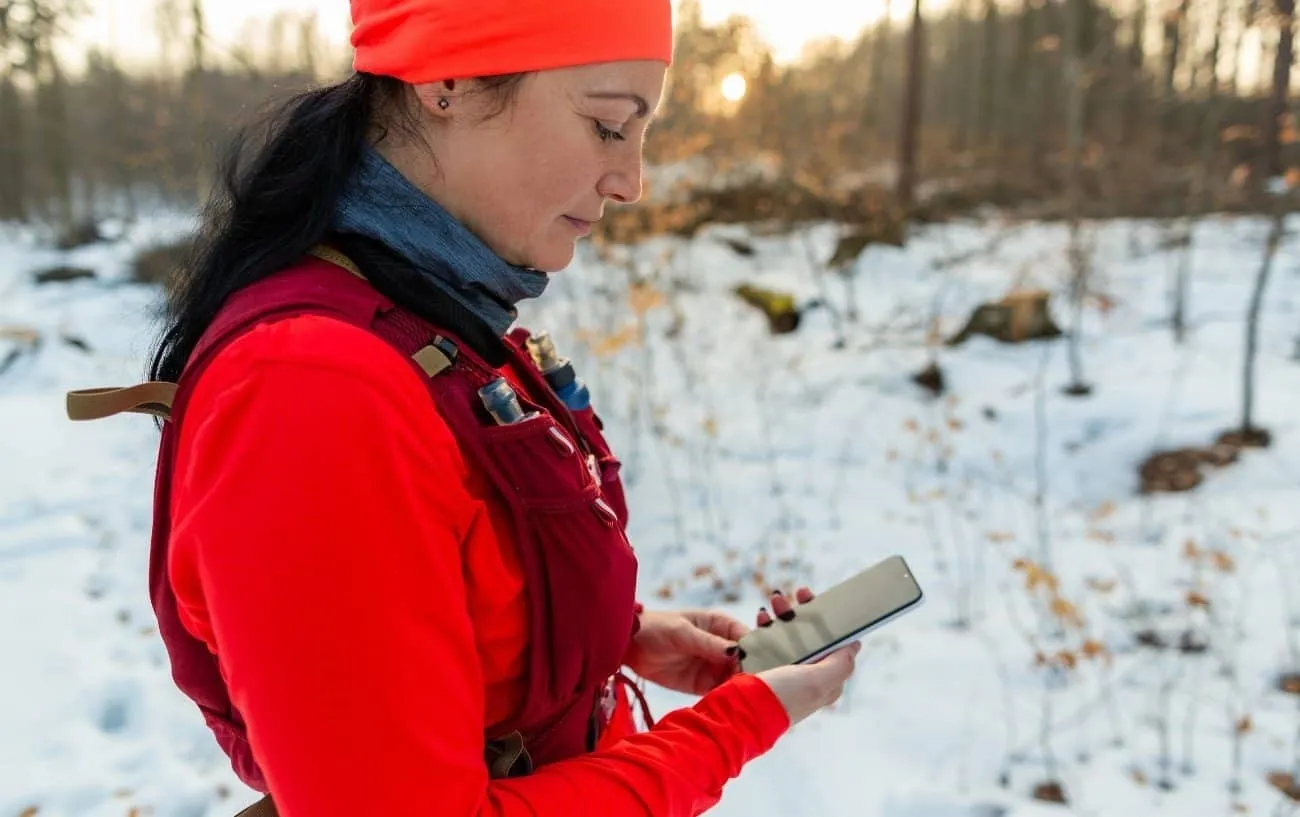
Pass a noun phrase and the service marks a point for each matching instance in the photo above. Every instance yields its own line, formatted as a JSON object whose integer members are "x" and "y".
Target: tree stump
{"x": 782, "y": 312}
{"x": 59, "y": 275}
{"x": 1171, "y": 471}
{"x": 1019, "y": 316}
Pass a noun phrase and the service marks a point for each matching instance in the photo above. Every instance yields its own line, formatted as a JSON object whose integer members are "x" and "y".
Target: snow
{"x": 796, "y": 460}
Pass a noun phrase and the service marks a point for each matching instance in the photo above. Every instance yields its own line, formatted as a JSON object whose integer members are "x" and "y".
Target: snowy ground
{"x": 755, "y": 460}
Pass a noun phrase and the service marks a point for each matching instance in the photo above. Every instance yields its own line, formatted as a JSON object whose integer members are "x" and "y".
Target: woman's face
{"x": 530, "y": 181}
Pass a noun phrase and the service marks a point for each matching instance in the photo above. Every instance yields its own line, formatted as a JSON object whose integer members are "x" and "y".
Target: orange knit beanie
{"x": 431, "y": 40}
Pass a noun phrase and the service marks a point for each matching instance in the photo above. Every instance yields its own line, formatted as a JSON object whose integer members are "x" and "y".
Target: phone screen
{"x": 835, "y": 617}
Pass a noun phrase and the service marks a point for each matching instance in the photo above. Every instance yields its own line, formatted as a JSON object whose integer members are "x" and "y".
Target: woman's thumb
{"x": 838, "y": 666}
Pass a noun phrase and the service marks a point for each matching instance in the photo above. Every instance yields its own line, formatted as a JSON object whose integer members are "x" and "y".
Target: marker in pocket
{"x": 502, "y": 403}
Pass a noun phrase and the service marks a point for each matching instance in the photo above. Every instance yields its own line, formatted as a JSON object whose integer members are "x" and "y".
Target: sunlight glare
{"x": 733, "y": 88}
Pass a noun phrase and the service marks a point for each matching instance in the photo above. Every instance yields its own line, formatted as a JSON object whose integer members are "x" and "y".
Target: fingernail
{"x": 788, "y": 615}
{"x": 777, "y": 593}
{"x": 743, "y": 655}
{"x": 733, "y": 649}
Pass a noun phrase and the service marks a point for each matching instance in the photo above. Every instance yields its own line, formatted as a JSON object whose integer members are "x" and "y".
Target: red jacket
{"x": 357, "y": 582}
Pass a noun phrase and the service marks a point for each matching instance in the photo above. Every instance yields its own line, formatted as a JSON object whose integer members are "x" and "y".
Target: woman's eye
{"x": 606, "y": 134}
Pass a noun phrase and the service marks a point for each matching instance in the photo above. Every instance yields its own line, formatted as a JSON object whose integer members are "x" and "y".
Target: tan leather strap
{"x": 336, "y": 258}
{"x": 431, "y": 360}
{"x": 262, "y": 808}
{"x": 504, "y": 757}
{"x": 153, "y": 397}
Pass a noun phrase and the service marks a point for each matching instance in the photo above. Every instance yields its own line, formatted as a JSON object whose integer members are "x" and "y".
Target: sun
{"x": 733, "y": 87}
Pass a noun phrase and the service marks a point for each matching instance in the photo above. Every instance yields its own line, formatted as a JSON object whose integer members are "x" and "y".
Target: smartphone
{"x": 834, "y": 618}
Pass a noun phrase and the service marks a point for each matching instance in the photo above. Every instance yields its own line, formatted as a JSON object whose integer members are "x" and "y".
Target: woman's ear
{"x": 440, "y": 98}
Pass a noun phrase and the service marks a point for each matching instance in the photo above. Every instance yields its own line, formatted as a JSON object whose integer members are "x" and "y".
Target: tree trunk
{"x": 1076, "y": 90}
{"x": 1252, "y": 315}
{"x": 1022, "y": 73}
{"x": 1136, "y": 75}
{"x": 877, "y": 94}
{"x": 1281, "y": 88}
{"x": 986, "y": 127}
{"x": 196, "y": 97}
{"x": 13, "y": 193}
{"x": 1173, "y": 36}
{"x": 908, "y": 133}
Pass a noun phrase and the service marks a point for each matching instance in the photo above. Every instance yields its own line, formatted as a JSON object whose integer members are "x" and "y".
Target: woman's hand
{"x": 805, "y": 688}
{"x": 691, "y": 651}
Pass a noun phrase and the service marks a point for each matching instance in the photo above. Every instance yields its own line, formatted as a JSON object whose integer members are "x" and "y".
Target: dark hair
{"x": 280, "y": 183}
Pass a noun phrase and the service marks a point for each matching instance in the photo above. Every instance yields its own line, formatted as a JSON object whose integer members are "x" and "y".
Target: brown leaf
{"x": 1285, "y": 783}
{"x": 1244, "y": 725}
{"x": 1067, "y": 612}
{"x": 1103, "y": 511}
{"x": 1066, "y": 659}
{"x": 1190, "y": 551}
{"x": 1196, "y": 599}
{"x": 702, "y": 571}
{"x": 665, "y": 592}
{"x": 644, "y": 297}
{"x": 1108, "y": 537}
{"x": 710, "y": 426}
{"x": 912, "y": 425}
{"x": 955, "y": 424}
{"x": 1223, "y": 562}
{"x": 1138, "y": 777}
{"x": 1091, "y": 648}
{"x": 30, "y": 811}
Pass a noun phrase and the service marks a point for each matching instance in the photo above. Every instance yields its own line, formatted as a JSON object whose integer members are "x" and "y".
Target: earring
{"x": 444, "y": 103}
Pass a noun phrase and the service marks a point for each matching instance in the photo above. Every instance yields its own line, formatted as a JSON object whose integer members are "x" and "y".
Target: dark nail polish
{"x": 788, "y": 615}
{"x": 743, "y": 656}
{"x": 733, "y": 649}
{"x": 777, "y": 593}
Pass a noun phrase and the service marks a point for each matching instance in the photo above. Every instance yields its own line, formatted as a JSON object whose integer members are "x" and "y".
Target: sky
{"x": 128, "y": 24}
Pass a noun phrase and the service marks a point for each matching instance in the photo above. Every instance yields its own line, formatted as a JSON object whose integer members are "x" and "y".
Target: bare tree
{"x": 1076, "y": 90}
{"x": 1274, "y": 240}
{"x": 13, "y": 178}
{"x": 195, "y": 95}
{"x": 911, "y": 112}
{"x": 1285, "y": 15}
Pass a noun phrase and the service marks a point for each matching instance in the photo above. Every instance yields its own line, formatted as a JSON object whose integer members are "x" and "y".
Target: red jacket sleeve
{"x": 319, "y": 511}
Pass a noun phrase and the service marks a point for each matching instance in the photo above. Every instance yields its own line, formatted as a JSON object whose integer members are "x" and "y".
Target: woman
{"x": 385, "y": 598}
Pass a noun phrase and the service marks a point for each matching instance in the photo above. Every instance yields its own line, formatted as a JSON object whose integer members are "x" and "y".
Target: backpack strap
{"x": 152, "y": 397}
{"x": 155, "y": 397}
